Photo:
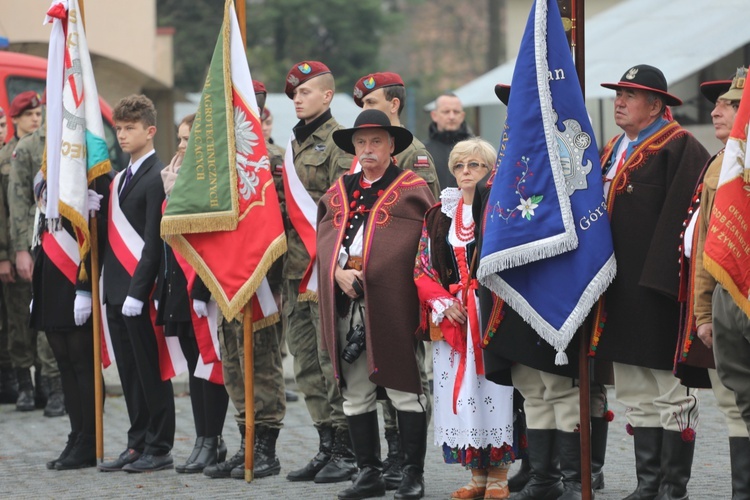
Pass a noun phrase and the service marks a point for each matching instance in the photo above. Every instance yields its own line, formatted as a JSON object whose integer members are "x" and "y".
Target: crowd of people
{"x": 399, "y": 316}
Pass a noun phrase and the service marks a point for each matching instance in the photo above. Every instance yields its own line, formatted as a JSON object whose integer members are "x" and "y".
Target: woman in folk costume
{"x": 473, "y": 417}
{"x": 208, "y": 400}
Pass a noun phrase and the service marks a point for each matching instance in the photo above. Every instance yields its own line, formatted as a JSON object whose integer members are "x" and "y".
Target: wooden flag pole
{"x": 96, "y": 313}
{"x": 247, "y": 322}
{"x": 584, "y": 364}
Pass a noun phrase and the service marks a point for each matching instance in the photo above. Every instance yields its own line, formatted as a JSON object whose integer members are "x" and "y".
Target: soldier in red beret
{"x": 386, "y": 92}
{"x": 318, "y": 163}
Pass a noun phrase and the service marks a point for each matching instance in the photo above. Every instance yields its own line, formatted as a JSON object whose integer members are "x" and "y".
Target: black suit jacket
{"x": 141, "y": 203}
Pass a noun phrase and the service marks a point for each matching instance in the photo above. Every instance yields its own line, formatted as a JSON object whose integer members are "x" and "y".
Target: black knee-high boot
{"x": 545, "y": 483}
{"x": 366, "y": 443}
{"x": 412, "y": 427}
{"x": 647, "y": 442}
{"x": 676, "y": 465}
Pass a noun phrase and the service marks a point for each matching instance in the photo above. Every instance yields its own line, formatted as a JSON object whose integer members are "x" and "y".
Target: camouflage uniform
{"x": 5, "y": 152}
{"x": 417, "y": 159}
{"x": 26, "y": 161}
{"x": 269, "y": 390}
{"x": 319, "y": 163}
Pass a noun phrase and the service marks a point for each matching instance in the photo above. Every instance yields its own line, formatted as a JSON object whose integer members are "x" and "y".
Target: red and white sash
{"x": 303, "y": 212}
{"x": 128, "y": 245}
{"x": 62, "y": 249}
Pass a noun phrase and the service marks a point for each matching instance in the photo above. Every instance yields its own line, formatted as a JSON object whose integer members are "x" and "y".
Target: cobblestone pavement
{"x": 28, "y": 440}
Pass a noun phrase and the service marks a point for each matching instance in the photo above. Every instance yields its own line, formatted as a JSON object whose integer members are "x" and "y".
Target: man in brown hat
{"x": 317, "y": 165}
{"x": 650, "y": 172}
{"x": 386, "y": 91}
{"x": 369, "y": 225}
{"x": 694, "y": 361}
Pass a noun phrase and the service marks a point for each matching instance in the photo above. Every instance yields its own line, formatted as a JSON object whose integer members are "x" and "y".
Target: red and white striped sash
{"x": 303, "y": 212}
{"x": 127, "y": 246}
{"x": 62, "y": 249}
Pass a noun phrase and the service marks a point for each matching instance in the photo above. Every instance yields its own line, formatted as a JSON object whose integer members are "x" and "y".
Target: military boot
{"x": 325, "y": 446}
{"x": 341, "y": 466}
{"x": 265, "y": 462}
{"x": 55, "y": 406}
{"x": 223, "y": 469}
{"x": 25, "y": 400}
{"x": 392, "y": 472}
{"x": 8, "y": 386}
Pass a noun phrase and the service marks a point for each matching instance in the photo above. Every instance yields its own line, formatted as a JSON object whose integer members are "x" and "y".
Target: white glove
{"x": 81, "y": 309}
{"x": 132, "y": 307}
{"x": 95, "y": 200}
{"x": 156, "y": 305}
{"x": 200, "y": 308}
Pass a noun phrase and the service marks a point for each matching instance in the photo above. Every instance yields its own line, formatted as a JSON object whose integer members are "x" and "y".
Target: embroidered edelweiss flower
{"x": 244, "y": 137}
{"x": 527, "y": 207}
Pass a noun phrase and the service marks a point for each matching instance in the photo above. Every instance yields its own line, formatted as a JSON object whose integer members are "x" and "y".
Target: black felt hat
{"x": 712, "y": 90}
{"x": 502, "y": 91}
{"x": 368, "y": 119}
{"x": 645, "y": 77}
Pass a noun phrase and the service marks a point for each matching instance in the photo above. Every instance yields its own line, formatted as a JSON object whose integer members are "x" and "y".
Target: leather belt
{"x": 354, "y": 263}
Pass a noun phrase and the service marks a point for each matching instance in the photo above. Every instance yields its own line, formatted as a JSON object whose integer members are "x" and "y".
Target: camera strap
{"x": 358, "y": 305}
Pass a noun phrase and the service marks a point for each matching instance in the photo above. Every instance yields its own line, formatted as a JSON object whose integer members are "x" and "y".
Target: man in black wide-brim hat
{"x": 369, "y": 226}
{"x": 650, "y": 172}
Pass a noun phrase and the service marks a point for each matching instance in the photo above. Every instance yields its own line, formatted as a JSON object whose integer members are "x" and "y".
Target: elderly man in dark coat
{"x": 369, "y": 225}
{"x": 650, "y": 173}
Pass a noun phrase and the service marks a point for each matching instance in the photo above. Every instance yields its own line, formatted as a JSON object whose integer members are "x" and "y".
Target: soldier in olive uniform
{"x": 386, "y": 92}
{"x": 26, "y": 113}
{"x": 8, "y": 383}
{"x": 268, "y": 372}
{"x": 318, "y": 162}
{"x": 25, "y": 163}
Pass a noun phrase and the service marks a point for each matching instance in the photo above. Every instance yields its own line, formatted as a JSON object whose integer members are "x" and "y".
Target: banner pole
{"x": 584, "y": 365}
{"x": 247, "y": 322}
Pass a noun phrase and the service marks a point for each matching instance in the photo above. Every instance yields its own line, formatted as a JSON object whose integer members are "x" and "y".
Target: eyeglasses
{"x": 473, "y": 165}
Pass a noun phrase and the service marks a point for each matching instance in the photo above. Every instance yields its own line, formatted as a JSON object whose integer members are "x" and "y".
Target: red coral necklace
{"x": 463, "y": 233}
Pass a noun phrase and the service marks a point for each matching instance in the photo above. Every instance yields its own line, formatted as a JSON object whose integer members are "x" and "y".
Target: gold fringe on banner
{"x": 718, "y": 272}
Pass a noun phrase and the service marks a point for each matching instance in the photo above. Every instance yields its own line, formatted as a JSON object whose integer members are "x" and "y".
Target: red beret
{"x": 302, "y": 72}
{"x": 259, "y": 88}
{"x": 23, "y": 101}
{"x": 374, "y": 81}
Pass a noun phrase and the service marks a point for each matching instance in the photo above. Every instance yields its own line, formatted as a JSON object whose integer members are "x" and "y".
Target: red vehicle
{"x": 22, "y": 72}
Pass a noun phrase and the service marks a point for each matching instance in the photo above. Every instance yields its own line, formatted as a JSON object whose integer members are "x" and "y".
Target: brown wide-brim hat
{"x": 645, "y": 77}
{"x": 502, "y": 91}
{"x": 712, "y": 90}
{"x": 369, "y": 119}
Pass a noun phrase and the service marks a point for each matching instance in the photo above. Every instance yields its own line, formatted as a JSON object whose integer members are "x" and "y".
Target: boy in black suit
{"x": 131, "y": 263}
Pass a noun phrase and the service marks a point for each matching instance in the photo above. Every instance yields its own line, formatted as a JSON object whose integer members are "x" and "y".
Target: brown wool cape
{"x": 391, "y": 237}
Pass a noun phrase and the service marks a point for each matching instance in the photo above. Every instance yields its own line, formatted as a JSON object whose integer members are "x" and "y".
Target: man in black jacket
{"x": 447, "y": 128}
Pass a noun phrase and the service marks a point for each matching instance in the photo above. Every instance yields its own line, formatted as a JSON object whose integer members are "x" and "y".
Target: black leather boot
{"x": 265, "y": 461}
{"x": 8, "y": 386}
{"x": 55, "y": 406}
{"x": 193, "y": 455}
{"x": 568, "y": 445}
{"x": 676, "y": 464}
{"x": 739, "y": 459}
{"x": 223, "y": 469}
{"x": 365, "y": 440}
{"x": 545, "y": 482}
{"x": 208, "y": 455}
{"x": 68, "y": 446}
{"x": 25, "y": 400}
{"x": 647, "y": 442}
{"x": 520, "y": 478}
{"x": 308, "y": 472}
{"x": 392, "y": 465}
{"x": 81, "y": 456}
{"x": 342, "y": 466}
{"x": 412, "y": 427}
{"x": 599, "y": 431}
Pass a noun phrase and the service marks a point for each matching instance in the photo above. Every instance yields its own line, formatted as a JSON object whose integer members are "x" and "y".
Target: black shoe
{"x": 309, "y": 471}
{"x": 193, "y": 455}
{"x": 25, "y": 401}
{"x": 68, "y": 446}
{"x": 208, "y": 455}
{"x": 223, "y": 469}
{"x": 81, "y": 456}
{"x": 369, "y": 484}
{"x": 126, "y": 457}
{"x": 8, "y": 386}
{"x": 55, "y": 406}
{"x": 342, "y": 466}
{"x": 291, "y": 397}
{"x": 150, "y": 463}
{"x": 266, "y": 463}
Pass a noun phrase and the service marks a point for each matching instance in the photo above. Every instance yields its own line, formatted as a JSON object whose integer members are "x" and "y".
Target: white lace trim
{"x": 450, "y": 197}
{"x": 438, "y": 307}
